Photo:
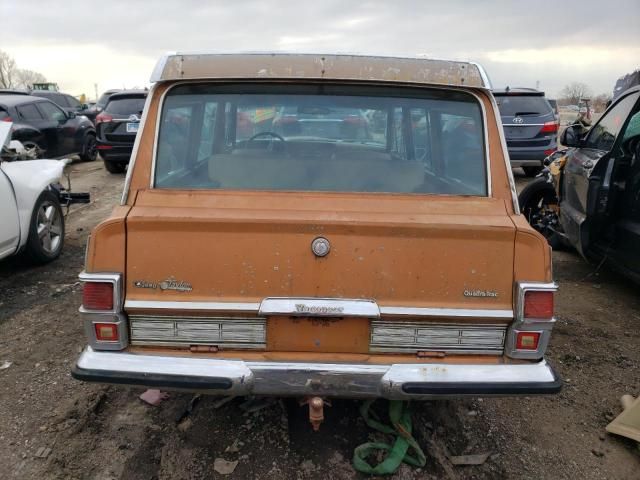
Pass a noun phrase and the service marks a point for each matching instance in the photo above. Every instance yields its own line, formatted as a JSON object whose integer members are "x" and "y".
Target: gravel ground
{"x": 53, "y": 427}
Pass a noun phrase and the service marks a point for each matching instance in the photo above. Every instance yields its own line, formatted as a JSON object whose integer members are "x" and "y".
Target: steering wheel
{"x": 267, "y": 134}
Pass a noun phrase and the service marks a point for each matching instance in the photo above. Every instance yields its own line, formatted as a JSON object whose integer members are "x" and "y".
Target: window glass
{"x": 3, "y": 114}
{"x": 513, "y": 105}
{"x": 329, "y": 138}
{"x": 51, "y": 111}
{"x": 72, "y": 102}
{"x": 603, "y": 135}
{"x": 29, "y": 112}
{"x": 125, "y": 105}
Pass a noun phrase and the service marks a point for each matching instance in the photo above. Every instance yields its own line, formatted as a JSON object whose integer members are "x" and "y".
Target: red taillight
{"x": 97, "y": 296}
{"x": 6, "y": 119}
{"x": 549, "y": 152}
{"x": 538, "y": 304}
{"x": 106, "y": 332}
{"x": 103, "y": 117}
{"x": 527, "y": 340}
{"x": 549, "y": 127}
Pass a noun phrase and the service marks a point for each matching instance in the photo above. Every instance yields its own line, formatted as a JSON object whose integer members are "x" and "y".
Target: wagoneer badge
{"x": 302, "y": 308}
{"x": 168, "y": 284}
{"x": 320, "y": 247}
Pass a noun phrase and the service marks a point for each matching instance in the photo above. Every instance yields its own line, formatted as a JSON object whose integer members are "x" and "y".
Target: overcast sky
{"x": 116, "y": 43}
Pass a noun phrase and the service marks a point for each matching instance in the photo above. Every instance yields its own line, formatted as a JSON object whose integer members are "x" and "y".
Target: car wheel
{"x": 539, "y": 205}
{"x": 46, "y": 230}
{"x": 89, "y": 152}
{"x": 531, "y": 171}
{"x": 114, "y": 167}
{"x": 33, "y": 145}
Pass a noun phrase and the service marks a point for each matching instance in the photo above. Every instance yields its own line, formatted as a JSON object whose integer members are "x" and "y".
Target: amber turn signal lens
{"x": 527, "y": 340}
{"x": 97, "y": 296}
{"x": 106, "y": 332}
{"x": 538, "y": 304}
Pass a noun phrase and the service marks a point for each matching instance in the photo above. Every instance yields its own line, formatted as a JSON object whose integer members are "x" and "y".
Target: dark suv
{"x": 94, "y": 110}
{"x": 39, "y": 122}
{"x": 530, "y": 127}
{"x": 117, "y": 127}
{"x": 65, "y": 101}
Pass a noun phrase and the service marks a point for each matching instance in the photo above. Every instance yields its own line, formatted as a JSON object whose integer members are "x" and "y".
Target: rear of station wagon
{"x": 375, "y": 249}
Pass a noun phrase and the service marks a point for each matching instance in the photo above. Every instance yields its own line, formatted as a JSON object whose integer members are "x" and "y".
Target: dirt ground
{"x": 106, "y": 432}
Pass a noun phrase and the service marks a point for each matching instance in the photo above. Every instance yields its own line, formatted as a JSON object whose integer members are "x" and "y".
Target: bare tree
{"x": 26, "y": 78}
{"x": 7, "y": 70}
{"x": 574, "y": 92}
{"x": 600, "y": 102}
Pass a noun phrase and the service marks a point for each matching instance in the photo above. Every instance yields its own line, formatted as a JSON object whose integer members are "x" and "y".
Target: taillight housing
{"x": 104, "y": 320}
{"x": 528, "y": 336}
{"x": 6, "y": 119}
{"x": 549, "y": 127}
{"x": 103, "y": 117}
{"x": 97, "y": 296}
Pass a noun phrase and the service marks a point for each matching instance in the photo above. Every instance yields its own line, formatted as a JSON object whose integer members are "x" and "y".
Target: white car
{"x": 31, "y": 217}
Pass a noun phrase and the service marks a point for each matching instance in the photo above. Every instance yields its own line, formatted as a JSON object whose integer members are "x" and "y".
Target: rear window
{"x": 516, "y": 106}
{"x": 321, "y": 138}
{"x": 104, "y": 98}
{"x": 125, "y": 105}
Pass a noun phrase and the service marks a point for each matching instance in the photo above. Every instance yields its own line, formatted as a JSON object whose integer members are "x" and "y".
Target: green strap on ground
{"x": 400, "y": 416}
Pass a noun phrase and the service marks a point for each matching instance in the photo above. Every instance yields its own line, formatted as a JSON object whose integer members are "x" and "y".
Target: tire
{"x": 29, "y": 144}
{"x": 114, "y": 167}
{"x": 531, "y": 171}
{"x": 46, "y": 229}
{"x": 539, "y": 195}
{"x": 89, "y": 152}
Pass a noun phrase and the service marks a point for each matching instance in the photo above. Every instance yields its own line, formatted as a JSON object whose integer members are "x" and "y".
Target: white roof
{"x": 243, "y": 66}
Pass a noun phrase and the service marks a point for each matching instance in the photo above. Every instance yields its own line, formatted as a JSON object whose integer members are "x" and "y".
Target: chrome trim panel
{"x": 257, "y": 308}
{"x": 405, "y": 337}
{"x": 435, "y": 380}
{"x": 241, "y": 333}
{"x": 319, "y": 307}
{"x": 446, "y": 312}
{"x": 136, "y": 145}
{"x": 523, "y": 124}
{"x": 209, "y": 306}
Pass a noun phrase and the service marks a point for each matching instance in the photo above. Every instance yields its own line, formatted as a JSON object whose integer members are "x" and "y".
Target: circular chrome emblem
{"x": 517, "y": 120}
{"x": 320, "y": 247}
{"x": 134, "y": 118}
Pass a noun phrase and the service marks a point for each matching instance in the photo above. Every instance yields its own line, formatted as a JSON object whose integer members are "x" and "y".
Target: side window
{"x": 51, "y": 111}
{"x": 205, "y": 149}
{"x": 603, "y": 135}
{"x": 29, "y": 112}
{"x": 72, "y": 102}
{"x": 462, "y": 147}
{"x": 175, "y": 131}
{"x": 420, "y": 129}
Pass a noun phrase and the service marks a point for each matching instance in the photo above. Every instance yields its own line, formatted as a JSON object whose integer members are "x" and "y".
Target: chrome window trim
{"x": 136, "y": 145}
{"x": 505, "y": 154}
{"x": 105, "y": 277}
{"x": 467, "y": 90}
{"x": 483, "y": 75}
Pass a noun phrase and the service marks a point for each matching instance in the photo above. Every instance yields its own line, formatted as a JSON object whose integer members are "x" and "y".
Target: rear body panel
{"x": 229, "y": 276}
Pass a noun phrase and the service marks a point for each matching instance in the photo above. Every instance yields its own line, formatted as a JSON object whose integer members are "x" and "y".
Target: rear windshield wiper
{"x": 517, "y": 114}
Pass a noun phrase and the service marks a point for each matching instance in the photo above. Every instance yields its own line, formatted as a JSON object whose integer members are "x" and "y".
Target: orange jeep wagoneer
{"x": 319, "y": 226}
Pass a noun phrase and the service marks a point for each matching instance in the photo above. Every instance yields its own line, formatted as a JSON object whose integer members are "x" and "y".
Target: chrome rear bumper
{"x": 237, "y": 377}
